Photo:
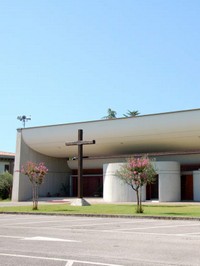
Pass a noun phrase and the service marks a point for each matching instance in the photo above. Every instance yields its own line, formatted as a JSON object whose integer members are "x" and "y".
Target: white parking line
{"x": 157, "y": 227}
{"x": 40, "y": 238}
{"x": 6, "y": 236}
{"x": 195, "y": 234}
{"x": 68, "y": 262}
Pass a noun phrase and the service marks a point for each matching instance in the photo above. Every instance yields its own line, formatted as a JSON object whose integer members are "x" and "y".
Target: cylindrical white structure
{"x": 115, "y": 190}
{"x": 196, "y": 185}
{"x": 169, "y": 181}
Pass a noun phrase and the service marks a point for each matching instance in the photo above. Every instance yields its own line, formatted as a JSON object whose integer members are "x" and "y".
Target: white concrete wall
{"x": 58, "y": 173}
{"x": 196, "y": 185}
{"x": 115, "y": 190}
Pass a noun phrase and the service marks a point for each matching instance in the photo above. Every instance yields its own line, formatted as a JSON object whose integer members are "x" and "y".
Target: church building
{"x": 172, "y": 139}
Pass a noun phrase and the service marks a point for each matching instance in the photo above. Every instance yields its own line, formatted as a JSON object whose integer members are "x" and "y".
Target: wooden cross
{"x": 80, "y": 144}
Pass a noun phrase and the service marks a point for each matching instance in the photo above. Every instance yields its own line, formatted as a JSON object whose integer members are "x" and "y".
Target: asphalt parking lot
{"x": 83, "y": 241}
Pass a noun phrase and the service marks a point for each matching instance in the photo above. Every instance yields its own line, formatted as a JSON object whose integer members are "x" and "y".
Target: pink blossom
{"x": 35, "y": 172}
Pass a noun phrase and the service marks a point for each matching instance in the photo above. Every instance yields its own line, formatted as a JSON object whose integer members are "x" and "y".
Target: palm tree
{"x": 111, "y": 114}
{"x": 131, "y": 113}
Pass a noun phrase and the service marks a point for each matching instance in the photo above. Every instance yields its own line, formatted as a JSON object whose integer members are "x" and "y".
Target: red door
{"x": 152, "y": 190}
{"x": 92, "y": 186}
{"x": 187, "y": 187}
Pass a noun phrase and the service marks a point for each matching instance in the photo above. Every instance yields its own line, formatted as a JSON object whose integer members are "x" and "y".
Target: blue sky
{"x": 65, "y": 61}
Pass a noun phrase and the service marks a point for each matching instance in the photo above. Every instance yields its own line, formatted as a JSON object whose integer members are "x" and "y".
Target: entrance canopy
{"x": 165, "y": 132}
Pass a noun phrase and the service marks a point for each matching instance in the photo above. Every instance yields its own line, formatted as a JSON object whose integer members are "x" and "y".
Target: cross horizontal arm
{"x": 79, "y": 142}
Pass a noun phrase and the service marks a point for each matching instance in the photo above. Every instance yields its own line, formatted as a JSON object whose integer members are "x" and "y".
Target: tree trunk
{"x": 33, "y": 192}
{"x": 140, "y": 204}
{"x": 138, "y": 200}
{"x": 35, "y": 196}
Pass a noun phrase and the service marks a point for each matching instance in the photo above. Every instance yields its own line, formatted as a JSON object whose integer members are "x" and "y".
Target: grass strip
{"x": 111, "y": 209}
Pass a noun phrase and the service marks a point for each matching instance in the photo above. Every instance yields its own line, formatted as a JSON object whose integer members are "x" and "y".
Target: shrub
{"x": 6, "y": 181}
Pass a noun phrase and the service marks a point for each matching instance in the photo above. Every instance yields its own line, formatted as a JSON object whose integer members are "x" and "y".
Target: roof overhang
{"x": 166, "y": 132}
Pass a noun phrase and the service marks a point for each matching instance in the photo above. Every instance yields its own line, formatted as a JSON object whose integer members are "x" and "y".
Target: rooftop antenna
{"x": 24, "y": 119}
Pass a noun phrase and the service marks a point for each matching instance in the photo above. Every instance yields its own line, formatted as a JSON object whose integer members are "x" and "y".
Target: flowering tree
{"x": 36, "y": 173}
{"x": 137, "y": 172}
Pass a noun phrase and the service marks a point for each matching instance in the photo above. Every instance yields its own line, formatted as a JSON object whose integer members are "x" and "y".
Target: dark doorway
{"x": 152, "y": 192}
{"x": 187, "y": 187}
{"x": 92, "y": 186}
{"x": 92, "y": 183}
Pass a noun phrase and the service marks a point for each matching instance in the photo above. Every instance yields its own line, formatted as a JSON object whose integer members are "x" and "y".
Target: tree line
{"x": 111, "y": 114}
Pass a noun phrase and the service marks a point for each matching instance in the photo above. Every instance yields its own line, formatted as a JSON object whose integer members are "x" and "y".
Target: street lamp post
{"x": 24, "y": 119}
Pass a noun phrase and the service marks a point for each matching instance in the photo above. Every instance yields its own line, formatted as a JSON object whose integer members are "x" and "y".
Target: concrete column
{"x": 196, "y": 185}
{"x": 114, "y": 189}
{"x": 169, "y": 181}
{"x": 17, "y": 167}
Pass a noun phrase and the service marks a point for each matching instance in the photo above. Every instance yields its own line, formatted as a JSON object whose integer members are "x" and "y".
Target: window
{"x": 6, "y": 168}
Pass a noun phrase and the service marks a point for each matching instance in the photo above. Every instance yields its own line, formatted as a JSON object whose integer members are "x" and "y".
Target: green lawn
{"x": 112, "y": 209}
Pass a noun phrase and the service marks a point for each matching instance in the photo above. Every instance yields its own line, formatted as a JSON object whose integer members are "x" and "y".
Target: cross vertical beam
{"x": 80, "y": 144}
{"x": 80, "y": 164}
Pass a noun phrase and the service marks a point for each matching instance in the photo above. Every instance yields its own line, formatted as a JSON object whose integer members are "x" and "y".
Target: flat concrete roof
{"x": 165, "y": 132}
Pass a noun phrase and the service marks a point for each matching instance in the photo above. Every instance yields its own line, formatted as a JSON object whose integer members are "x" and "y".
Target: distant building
{"x": 172, "y": 138}
{"x": 7, "y": 162}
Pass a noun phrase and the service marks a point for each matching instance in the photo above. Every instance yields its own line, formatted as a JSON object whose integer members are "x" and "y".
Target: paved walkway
{"x": 60, "y": 200}
{"x": 49, "y": 200}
